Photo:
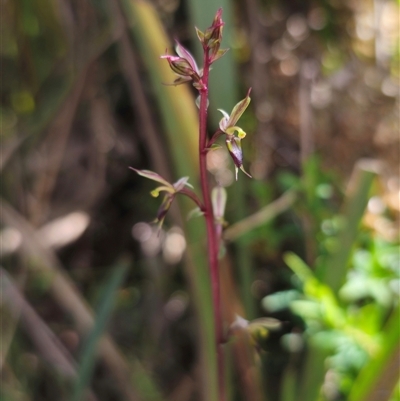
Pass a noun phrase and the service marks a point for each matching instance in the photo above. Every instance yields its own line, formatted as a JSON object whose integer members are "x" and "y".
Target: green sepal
{"x": 200, "y": 35}
{"x": 219, "y": 54}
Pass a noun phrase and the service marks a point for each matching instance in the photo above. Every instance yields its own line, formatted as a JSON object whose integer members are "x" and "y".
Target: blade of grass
{"x": 90, "y": 345}
{"x": 379, "y": 377}
{"x": 289, "y": 384}
{"x": 357, "y": 198}
{"x": 313, "y": 374}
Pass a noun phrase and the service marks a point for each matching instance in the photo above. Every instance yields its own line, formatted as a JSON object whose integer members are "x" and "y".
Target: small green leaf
{"x": 90, "y": 344}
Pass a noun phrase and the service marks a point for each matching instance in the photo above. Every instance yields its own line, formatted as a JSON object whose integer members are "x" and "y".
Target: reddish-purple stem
{"x": 212, "y": 241}
{"x": 214, "y": 138}
{"x": 193, "y": 197}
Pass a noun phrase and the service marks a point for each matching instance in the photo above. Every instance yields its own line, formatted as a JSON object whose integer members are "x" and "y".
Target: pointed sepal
{"x": 218, "y": 54}
{"x": 236, "y": 113}
{"x": 151, "y": 175}
{"x": 200, "y": 35}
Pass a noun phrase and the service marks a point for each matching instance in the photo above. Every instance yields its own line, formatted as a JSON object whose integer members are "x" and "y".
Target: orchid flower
{"x": 171, "y": 191}
{"x": 228, "y": 126}
{"x": 184, "y": 65}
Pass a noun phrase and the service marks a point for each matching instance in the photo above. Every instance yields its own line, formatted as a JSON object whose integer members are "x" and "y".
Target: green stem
{"x": 212, "y": 242}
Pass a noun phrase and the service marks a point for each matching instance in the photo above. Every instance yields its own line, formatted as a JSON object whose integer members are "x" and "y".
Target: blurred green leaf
{"x": 336, "y": 267}
{"x": 103, "y": 312}
{"x": 380, "y": 375}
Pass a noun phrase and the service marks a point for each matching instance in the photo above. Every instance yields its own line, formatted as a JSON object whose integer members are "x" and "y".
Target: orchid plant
{"x": 212, "y": 203}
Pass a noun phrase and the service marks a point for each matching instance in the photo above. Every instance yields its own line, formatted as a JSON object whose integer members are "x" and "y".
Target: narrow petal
{"x": 182, "y": 182}
{"x": 224, "y": 121}
{"x": 244, "y": 171}
{"x": 181, "y": 51}
{"x": 170, "y": 58}
{"x": 151, "y": 175}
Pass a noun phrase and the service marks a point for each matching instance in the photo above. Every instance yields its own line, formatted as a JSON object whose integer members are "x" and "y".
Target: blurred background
{"x": 96, "y": 305}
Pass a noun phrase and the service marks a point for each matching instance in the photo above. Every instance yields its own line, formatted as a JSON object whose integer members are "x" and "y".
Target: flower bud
{"x": 185, "y": 66}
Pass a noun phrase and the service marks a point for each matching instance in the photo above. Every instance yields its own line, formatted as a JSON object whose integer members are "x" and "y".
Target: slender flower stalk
{"x": 212, "y": 241}
{"x": 212, "y": 203}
